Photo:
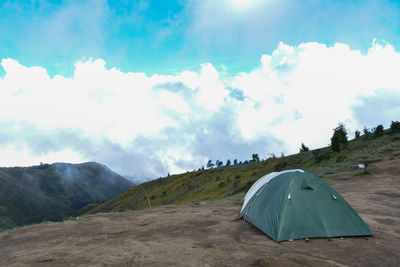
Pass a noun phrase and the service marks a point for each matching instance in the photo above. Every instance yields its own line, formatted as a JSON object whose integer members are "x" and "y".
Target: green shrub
{"x": 366, "y": 132}
{"x": 320, "y": 155}
{"x": 395, "y": 126}
{"x": 340, "y": 158}
{"x": 280, "y": 166}
{"x": 248, "y": 185}
{"x": 378, "y": 130}
{"x": 189, "y": 186}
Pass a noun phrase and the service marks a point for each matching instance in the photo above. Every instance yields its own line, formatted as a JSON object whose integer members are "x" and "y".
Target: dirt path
{"x": 209, "y": 235}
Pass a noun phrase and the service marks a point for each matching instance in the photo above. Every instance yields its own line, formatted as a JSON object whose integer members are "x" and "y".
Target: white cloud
{"x": 22, "y": 156}
{"x": 150, "y": 125}
{"x": 303, "y": 92}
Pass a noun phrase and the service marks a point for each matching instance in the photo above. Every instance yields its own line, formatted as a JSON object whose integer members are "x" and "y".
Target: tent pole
{"x": 148, "y": 200}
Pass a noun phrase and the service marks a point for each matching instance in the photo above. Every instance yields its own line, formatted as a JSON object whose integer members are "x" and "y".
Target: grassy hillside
{"x": 223, "y": 182}
{"x": 53, "y": 192}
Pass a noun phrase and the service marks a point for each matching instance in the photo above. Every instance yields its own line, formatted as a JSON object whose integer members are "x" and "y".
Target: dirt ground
{"x": 209, "y": 235}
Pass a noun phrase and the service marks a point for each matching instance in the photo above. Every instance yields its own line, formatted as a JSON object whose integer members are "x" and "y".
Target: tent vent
{"x": 334, "y": 196}
{"x": 289, "y": 197}
{"x": 307, "y": 185}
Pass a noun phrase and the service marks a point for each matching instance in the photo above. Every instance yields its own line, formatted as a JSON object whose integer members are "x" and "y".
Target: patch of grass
{"x": 363, "y": 173}
{"x": 372, "y": 160}
{"x": 387, "y": 149}
{"x": 321, "y": 155}
{"x": 396, "y": 137}
{"x": 340, "y": 158}
{"x": 194, "y": 203}
{"x": 396, "y": 154}
{"x": 6, "y": 224}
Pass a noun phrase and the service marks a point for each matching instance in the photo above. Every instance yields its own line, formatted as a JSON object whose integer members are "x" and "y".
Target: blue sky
{"x": 151, "y": 87}
{"x": 171, "y": 36}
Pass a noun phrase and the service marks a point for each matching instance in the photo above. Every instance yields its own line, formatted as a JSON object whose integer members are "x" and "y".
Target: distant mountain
{"x": 134, "y": 180}
{"x": 54, "y": 192}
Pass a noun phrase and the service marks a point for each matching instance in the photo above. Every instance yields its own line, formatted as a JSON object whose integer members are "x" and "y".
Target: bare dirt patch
{"x": 209, "y": 234}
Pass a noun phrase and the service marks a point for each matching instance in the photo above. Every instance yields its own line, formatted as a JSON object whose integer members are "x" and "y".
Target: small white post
{"x": 362, "y": 167}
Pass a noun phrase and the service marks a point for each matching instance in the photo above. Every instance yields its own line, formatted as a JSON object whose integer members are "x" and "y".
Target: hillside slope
{"x": 222, "y": 182}
{"x": 53, "y": 192}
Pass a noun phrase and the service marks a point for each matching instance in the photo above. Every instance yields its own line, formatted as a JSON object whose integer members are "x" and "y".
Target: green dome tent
{"x": 296, "y": 204}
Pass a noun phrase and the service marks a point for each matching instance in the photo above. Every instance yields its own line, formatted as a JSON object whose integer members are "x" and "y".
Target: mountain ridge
{"x": 52, "y": 192}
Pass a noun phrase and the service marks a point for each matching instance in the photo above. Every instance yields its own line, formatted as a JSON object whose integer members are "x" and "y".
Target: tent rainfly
{"x": 296, "y": 204}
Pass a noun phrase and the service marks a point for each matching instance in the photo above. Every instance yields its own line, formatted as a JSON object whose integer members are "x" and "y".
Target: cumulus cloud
{"x": 147, "y": 126}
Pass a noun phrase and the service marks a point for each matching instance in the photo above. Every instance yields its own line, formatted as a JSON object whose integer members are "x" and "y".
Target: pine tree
{"x": 378, "y": 130}
{"x": 366, "y": 131}
{"x": 304, "y": 148}
{"x": 255, "y": 157}
{"x": 339, "y": 138}
{"x": 210, "y": 164}
{"x": 357, "y": 134}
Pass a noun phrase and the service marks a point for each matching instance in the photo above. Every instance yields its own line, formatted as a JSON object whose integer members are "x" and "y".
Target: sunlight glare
{"x": 242, "y": 3}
